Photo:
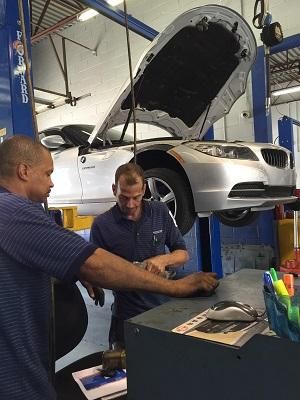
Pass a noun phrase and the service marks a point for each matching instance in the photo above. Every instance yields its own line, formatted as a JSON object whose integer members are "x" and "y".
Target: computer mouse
{"x": 232, "y": 311}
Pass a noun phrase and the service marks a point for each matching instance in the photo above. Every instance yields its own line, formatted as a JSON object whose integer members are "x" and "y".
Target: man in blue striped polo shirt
{"x": 138, "y": 231}
{"x": 33, "y": 248}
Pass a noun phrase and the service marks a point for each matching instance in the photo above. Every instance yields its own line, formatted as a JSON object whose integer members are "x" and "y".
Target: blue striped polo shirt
{"x": 32, "y": 248}
{"x": 137, "y": 241}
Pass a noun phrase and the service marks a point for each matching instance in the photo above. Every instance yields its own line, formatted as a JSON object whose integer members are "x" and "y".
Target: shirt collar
{"x": 119, "y": 216}
{"x": 3, "y": 190}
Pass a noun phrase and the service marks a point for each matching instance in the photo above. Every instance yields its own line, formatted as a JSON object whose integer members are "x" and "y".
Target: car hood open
{"x": 190, "y": 75}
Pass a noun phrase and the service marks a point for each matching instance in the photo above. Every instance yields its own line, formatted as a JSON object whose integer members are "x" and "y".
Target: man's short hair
{"x": 131, "y": 172}
{"x": 19, "y": 150}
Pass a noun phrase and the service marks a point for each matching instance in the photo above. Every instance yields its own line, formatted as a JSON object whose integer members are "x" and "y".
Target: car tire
{"x": 169, "y": 187}
{"x": 237, "y": 218}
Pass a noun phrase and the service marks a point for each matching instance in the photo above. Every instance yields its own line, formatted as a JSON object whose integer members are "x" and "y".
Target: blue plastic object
{"x": 278, "y": 316}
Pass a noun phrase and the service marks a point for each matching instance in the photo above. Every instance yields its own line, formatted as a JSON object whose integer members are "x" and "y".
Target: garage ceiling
{"x": 48, "y": 16}
{"x": 285, "y": 73}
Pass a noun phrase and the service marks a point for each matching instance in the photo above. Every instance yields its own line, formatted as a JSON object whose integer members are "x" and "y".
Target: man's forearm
{"x": 176, "y": 258}
{"x": 112, "y": 272}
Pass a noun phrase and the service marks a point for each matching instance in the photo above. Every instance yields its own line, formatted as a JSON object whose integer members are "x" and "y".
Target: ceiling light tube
{"x": 87, "y": 14}
{"x": 289, "y": 90}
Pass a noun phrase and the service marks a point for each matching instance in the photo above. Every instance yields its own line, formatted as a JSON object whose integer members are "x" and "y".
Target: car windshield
{"x": 143, "y": 132}
{"x": 78, "y": 135}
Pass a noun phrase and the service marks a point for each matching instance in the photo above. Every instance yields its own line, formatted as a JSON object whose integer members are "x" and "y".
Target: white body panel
{"x": 67, "y": 184}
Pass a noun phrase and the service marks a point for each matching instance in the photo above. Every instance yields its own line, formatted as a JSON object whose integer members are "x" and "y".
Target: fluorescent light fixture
{"x": 289, "y": 90}
{"x": 114, "y": 2}
{"x": 87, "y": 14}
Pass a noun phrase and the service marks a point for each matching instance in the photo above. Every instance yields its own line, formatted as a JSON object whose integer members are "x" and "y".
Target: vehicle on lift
{"x": 188, "y": 78}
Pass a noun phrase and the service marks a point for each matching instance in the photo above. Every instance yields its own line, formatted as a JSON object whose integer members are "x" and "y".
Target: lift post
{"x": 15, "y": 108}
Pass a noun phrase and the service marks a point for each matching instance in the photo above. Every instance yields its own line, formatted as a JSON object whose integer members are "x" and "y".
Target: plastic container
{"x": 286, "y": 239}
{"x": 283, "y": 315}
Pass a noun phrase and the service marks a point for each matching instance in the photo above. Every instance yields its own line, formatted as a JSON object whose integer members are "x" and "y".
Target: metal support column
{"x": 209, "y": 134}
{"x": 262, "y": 122}
{"x": 211, "y": 256}
{"x": 15, "y": 108}
{"x": 215, "y": 246}
{"x": 210, "y": 245}
{"x": 285, "y": 130}
{"x": 117, "y": 15}
{"x": 209, "y": 237}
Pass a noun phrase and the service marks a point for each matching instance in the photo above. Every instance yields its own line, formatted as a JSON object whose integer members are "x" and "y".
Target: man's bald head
{"x": 25, "y": 168}
{"x": 19, "y": 150}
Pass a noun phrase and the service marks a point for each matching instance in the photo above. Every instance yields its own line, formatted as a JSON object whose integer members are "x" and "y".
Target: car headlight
{"x": 224, "y": 151}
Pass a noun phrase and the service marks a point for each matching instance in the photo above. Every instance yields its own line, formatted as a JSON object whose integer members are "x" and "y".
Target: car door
{"x": 97, "y": 169}
{"x": 67, "y": 184}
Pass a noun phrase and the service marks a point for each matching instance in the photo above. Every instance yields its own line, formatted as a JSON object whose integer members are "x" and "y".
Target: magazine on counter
{"x": 96, "y": 386}
{"x": 227, "y": 332}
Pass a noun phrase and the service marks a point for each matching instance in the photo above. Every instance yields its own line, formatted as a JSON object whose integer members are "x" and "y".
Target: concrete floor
{"x": 96, "y": 336}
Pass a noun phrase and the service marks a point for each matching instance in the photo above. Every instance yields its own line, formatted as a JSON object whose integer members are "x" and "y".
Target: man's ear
{"x": 22, "y": 172}
{"x": 114, "y": 189}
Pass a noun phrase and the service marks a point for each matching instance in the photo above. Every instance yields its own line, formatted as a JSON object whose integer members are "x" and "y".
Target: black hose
{"x": 131, "y": 82}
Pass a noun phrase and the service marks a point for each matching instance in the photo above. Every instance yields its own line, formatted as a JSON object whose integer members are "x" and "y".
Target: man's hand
{"x": 156, "y": 265}
{"x": 95, "y": 293}
{"x": 197, "y": 284}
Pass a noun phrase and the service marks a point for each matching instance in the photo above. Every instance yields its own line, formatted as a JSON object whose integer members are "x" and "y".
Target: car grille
{"x": 275, "y": 158}
{"x": 258, "y": 189}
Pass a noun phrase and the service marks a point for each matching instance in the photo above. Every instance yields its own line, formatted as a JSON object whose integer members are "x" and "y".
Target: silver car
{"x": 188, "y": 78}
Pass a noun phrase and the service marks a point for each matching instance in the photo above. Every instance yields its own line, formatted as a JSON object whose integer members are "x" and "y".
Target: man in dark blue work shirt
{"x": 33, "y": 248}
{"x": 138, "y": 231}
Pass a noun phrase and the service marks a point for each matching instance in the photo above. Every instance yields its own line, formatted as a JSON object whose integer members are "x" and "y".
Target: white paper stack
{"x": 95, "y": 386}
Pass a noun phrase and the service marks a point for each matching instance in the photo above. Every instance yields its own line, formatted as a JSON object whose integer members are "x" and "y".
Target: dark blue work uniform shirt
{"x": 137, "y": 241}
{"x": 32, "y": 248}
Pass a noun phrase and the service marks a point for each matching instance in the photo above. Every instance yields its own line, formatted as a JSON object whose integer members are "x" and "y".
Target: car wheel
{"x": 168, "y": 187}
{"x": 237, "y": 218}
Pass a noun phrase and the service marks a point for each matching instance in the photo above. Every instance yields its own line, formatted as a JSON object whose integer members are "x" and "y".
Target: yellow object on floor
{"x": 73, "y": 221}
{"x": 285, "y": 228}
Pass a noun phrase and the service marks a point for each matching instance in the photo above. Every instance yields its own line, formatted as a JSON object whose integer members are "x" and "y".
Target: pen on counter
{"x": 273, "y": 274}
{"x": 282, "y": 293}
{"x": 280, "y": 288}
{"x": 268, "y": 283}
{"x": 288, "y": 280}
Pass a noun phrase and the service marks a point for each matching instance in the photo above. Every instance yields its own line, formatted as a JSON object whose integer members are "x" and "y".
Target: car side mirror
{"x": 53, "y": 142}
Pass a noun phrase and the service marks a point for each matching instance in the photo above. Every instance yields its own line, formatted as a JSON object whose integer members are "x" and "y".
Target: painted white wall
{"x": 104, "y": 74}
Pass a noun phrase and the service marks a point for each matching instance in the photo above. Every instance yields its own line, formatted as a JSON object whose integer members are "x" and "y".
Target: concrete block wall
{"x": 103, "y": 74}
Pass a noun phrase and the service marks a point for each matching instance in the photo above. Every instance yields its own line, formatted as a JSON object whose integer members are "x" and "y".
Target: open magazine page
{"x": 95, "y": 386}
{"x": 227, "y": 332}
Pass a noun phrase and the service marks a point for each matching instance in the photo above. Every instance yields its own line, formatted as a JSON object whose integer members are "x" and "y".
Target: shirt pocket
{"x": 158, "y": 242}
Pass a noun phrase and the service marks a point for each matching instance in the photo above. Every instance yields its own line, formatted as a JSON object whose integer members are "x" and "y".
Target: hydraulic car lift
{"x": 15, "y": 107}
